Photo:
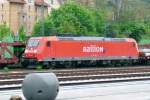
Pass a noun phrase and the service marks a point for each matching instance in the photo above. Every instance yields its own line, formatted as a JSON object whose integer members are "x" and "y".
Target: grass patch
{"x": 39, "y": 68}
{"x": 144, "y": 41}
{"x": 6, "y": 69}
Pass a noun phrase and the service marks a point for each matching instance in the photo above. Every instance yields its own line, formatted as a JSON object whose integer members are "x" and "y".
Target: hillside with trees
{"x": 108, "y": 18}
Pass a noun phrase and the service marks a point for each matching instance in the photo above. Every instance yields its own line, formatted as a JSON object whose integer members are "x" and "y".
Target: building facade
{"x": 54, "y": 4}
{"x": 86, "y": 2}
{"x": 83, "y": 2}
{"x": 24, "y": 13}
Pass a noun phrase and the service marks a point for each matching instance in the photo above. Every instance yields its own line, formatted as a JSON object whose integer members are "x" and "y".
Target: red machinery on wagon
{"x": 52, "y": 49}
{"x": 144, "y": 53}
{"x": 4, "y": 48}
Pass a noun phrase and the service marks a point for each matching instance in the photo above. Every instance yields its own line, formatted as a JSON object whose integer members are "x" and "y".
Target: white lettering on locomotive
{"x": 93, "y": 48}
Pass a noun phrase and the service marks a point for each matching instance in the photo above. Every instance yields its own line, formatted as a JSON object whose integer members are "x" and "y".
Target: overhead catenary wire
{"x": 42, "y": 18}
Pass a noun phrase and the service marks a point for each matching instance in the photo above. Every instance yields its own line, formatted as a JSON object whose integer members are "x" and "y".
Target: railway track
{"x": 14, "y": 80}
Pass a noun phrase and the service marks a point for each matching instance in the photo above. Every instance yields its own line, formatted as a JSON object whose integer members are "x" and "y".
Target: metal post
{"x": 42, "y": 18}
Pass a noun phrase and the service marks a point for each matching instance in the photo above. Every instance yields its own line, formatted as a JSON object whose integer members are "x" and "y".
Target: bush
{"x": 134, "y": 30}
{"x": 22, "y": 34}
{"x": 6, "y": 69}
{"x": 4, "y": 31}
{"x": 39, "y": 68}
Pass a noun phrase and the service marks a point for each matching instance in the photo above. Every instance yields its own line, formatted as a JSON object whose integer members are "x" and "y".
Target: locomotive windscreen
{"x": 33, "y": 43}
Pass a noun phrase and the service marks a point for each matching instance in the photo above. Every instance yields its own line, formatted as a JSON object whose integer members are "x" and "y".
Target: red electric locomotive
{"x": 54, "y": 50}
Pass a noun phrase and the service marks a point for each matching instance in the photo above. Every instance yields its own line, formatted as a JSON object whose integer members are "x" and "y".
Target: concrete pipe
{"x": 40, "y": 86}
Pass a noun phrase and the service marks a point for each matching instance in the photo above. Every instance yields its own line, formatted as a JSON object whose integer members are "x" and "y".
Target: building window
{"x": 2, "y": 18}
{"x": 29, "y": 17}
{"x": 29, "y": 8}
{"x": 30, "y": 1}
{"x": 23, "y": 19}
{"x": 2, "y": 6}
{"x": 36, "y": 18}
{"x": 52, "y": 9}
{"x": 52, "y": 1}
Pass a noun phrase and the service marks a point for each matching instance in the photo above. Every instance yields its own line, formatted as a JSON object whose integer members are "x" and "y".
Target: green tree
{"x": 134, "y": 30}
{"x": 22, "y": 34}
{"x": 72, "y": 18}
{"x": 99, "y": 21}
{"x": 4, "y": 31}
{"x": 137, "y": 32}
{"x": 112, "y": 30}
{"x": 48, "y": 28}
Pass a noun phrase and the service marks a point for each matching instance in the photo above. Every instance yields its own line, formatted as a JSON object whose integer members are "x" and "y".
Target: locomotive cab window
{"x": 48, "y": 43}
{"x": 33, "y": 43}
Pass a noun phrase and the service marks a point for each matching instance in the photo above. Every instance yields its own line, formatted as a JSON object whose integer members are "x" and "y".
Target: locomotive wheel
{"x": 118, "y": 64}
{"x": 2, "y": 66}
{"x": 46, "y": 65}
{"x": 112, "y": 63}
{"x": 74, "y": 64}
{"x": 52, "y": 65}
{"x": 130, "y": 63}
{"x": 68, "y": 65}
{"x": 25, "y": 64}
{"x": 49, "y": 65}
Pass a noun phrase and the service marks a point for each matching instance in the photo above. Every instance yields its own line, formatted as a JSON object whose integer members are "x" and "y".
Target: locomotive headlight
{"x": 34, "y": 51}
{"x": 26, "y": 51}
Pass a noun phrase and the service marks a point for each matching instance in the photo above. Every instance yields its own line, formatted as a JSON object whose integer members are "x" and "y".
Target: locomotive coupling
{"x": 40, "y": 86}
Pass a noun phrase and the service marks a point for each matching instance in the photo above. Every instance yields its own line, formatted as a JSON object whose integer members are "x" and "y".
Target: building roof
{"x": 61, "y": 1}
{"x": 40, "y": 2}
{"x": 17, "y": 1}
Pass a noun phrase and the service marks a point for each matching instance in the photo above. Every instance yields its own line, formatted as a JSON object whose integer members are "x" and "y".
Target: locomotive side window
{"x": 48, "y": 44}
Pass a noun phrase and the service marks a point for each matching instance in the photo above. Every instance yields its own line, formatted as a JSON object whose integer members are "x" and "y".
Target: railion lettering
{"x": 93, "y": 48}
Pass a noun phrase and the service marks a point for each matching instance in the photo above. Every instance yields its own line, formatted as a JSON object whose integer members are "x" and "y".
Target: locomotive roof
{"x": 83, "y": 38}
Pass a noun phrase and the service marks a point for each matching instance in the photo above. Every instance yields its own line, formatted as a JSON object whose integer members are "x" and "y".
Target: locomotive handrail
{"x": 144, "y": 46}
{"x": 12, "y": 44}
